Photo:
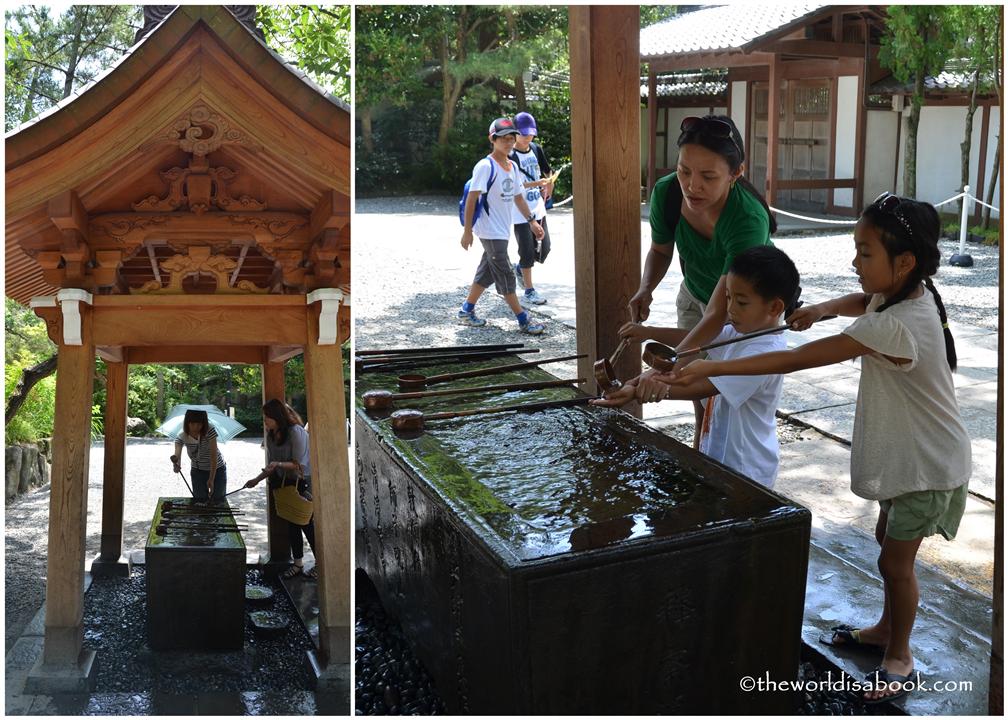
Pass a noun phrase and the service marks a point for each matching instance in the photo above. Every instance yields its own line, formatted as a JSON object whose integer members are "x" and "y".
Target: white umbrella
{"x": 225, "y": 426}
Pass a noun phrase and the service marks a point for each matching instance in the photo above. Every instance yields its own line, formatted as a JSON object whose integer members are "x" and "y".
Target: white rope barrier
{"x": 812, "y": 219}
{"x": 951, "y": 199}
{"x": 563, "y": 202}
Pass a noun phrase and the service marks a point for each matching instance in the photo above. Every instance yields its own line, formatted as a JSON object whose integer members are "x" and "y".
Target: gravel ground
{"x": 148, "y": 477}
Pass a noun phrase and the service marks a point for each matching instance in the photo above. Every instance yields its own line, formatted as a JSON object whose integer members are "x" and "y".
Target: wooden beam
{"x": 173, "y": 354}
{"x": 773, "y": 130}
{"x": 71, "y": 445}
{"x": 113, "y": 354}
{"x": 330, "y": 492}
{"x": 278, "y": 537}
{"x": 703, "y": 60}
{"x": 282, "y": 353}
{"x": 115, "y": 454}
{"x": 652, "y": 115}
{"x": 208, "y": 326}
{"x": 605, "y": 144}
{"x": 332, "y": 212}
{"x": 817, "y": 48}
{"x": 67, "y": 212}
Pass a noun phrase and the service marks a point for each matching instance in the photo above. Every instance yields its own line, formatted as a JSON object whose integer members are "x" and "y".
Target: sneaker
{"x": 531, "y": 298}
{"x": 531, "y": 328}
{"x": 470, "y": 319}
{"x": 519, "y": 276}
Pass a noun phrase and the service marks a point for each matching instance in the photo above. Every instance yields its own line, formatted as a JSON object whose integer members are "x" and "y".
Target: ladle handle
{"x": 544, "y": 405}
{"x": 420, "y": 351}
{"x": 740, "y": 338}
{"x": 541, "y": 385}
{"x": 498, "y": 369}
{"x": 623, "y": 343}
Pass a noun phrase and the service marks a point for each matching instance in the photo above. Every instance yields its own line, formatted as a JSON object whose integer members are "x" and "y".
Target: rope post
{"x": 961, "y": 259}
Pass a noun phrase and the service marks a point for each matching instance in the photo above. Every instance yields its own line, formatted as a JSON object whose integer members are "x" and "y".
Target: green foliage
{"x": 917, "y": 41}
{"x": 316, "y": 38}
{"x": 34, "y": 420}
{"x": 430, "y": 72}
{"x": 51, "y": 53}
{"x": 652, "y": 14}
{"x": 991, "y": 236}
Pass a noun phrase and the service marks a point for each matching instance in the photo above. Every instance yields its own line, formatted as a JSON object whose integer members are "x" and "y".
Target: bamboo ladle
{"x": 162, "y": 529}
{"x": 663, "y": 358}
{"x": 393, "y": 363}
{"x": 416, "y": 382}
{"x": 414, "y": 421}
{"x": 383, "y": 399}
{"x": 605, "y": 372}
{"x": 448, "y": 349}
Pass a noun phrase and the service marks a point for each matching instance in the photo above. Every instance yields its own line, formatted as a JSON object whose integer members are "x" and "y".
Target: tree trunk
{"x": 967, "y": 142}
{"x": 910, "y": 161}
{"x": 29, "y": 378}
{"x": 993, "y": 182}
{"x": 519, "y": 84}
{"x": 73, "y": 55}
{"x": 160, "y": 401}
{"x": 29, "y": 107}
{"x": 367, "y": 129}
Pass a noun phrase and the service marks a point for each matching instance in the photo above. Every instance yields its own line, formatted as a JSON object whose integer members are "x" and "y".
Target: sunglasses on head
{"x": 889, "y": 203}
{"x": 710, "y": 126}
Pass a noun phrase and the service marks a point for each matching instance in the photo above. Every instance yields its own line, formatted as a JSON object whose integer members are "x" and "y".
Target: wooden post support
{"x": 327, "y": 425}
{"x": 279, "y": 540}
{"x": 773, "y": 130}
{"x": 110, "y": 559}
{"x": 65, "y": 665}
{"x": 652, "y": 115}
{"x": 605, "y": 145}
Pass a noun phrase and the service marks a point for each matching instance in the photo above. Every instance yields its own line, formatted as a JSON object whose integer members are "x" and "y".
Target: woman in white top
{"x": 209, "y": 473}
{"x": 288, "y": 462}
{"x": 910, "y": 450}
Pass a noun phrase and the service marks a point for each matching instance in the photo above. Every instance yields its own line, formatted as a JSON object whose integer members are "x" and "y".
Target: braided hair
{"x": 913, "y": 227}
{"x": 732, "y": 150}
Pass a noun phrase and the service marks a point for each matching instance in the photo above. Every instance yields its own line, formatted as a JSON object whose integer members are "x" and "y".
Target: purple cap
{"x": 526, "y": 124}
{"x": 502, "y": 126}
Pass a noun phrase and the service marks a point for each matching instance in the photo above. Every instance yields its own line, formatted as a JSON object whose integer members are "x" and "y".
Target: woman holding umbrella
{"x": 209, "y": 473}
{"x": 289, "y": 462}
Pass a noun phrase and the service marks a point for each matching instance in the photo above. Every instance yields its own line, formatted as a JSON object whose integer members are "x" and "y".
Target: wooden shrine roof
{"x": 201, "y": 162}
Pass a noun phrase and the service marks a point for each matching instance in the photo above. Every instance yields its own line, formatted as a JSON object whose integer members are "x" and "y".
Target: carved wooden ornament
{"x": 199, "y": 261}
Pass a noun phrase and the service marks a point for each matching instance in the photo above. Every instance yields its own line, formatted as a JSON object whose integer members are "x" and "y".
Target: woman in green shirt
{"x": 711, "y": 213}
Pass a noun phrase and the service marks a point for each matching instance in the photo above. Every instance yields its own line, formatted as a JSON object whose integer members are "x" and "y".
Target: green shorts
{"x": 920, "y": 514}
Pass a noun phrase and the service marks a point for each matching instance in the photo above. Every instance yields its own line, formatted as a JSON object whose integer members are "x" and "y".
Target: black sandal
{"x": 846, "y": 637}
{"x": 292, "y": 572}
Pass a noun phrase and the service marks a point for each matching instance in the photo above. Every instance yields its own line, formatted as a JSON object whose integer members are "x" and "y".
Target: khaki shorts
{"x": 920, "y": 514}
{"x": 689, "y": 310}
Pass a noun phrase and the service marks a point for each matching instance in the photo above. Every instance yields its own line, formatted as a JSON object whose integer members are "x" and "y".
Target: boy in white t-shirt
{"x": 739, "y": 428}
{"x": 498, "y": 178}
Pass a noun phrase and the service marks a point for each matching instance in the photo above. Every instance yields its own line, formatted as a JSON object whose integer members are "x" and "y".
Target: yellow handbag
{"x": 290, "y": 505}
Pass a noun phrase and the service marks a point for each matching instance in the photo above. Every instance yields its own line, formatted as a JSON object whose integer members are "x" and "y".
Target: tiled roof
{"x": 688, "y": 84}
{"x": 723, "y": 27}
{"x": 945, "y": 80}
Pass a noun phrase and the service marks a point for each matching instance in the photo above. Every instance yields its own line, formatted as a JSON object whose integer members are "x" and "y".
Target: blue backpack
{"x": 482, "y": 206}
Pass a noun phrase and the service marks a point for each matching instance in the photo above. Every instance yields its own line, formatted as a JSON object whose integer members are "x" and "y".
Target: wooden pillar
{"x": 110, "y": 559}
{"x": 860, "y": 132}
{"x": 605, "y": 149}
{"x": 278, "y": 538}
{"x": 995, "y": 697}
{"x": 773, "y": 129}
{"x": 64, "y": 664}
{"x": 652, "y": 113}
{"x": 331, "y": 496}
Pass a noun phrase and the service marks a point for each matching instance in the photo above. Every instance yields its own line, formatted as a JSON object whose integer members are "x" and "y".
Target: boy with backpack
{"x": 496, "y": 178}
{"x": 535, "y": 169}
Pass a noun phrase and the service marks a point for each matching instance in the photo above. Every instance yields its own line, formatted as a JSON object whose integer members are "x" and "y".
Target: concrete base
{"x": 54, "y": 679}
{"x": 120, "y": 567}
{"x": 331, "y": 679}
